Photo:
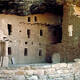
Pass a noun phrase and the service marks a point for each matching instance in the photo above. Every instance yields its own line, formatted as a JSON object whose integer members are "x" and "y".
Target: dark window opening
{"x": 9, "y": 50}
{"x": 4, "y": 37}
{"x": 28, "y": 33}
{"x": 32, "y": 43}
{"x": 40, "y": 44}
{"x": 40, "y": 52}
{"x": 29, "y": 19}
{"x": 25, "y": 52}
{"x": 35, "y": 19}
{"x": 25, "y": 42}
{"x": 20, "y": 31}
{"x": 41, "y": 33}
{"x": 9, "y": 29}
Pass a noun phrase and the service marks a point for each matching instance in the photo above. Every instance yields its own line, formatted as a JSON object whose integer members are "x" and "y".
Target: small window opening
{"x": 40, "y": 52}
{"x": 9, "y": 29}
{"x": 4, "y": 37}
{"x": 25, "y": 42}
{"x": 32, "y": 43}
{"x": 29, "y": 19}
{"x": 9, "y": 50}
{"x": 35, "y": 19}
{"x": 40, "y": 44}
{"x": 20, "y": 31}
{"x": 41, "y": 33}
{"x": 28, "y": 33}
{"x": 25, "y": 52}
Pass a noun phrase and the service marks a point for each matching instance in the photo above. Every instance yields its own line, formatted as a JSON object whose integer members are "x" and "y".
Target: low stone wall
{"x": 60, "y": 71}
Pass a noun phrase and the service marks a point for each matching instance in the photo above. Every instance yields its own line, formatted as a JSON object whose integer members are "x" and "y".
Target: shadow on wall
{"x": 55, "y": 58}
{"x": 56, "y": 34}
{"x": 56, "y": 37}
{"x": 69, "y": 49}
{"x": 47, "y": 7}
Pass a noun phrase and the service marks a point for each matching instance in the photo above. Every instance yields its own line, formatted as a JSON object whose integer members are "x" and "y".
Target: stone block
{"x": 21, "y": 77}
{"x": 49, "y": 71}
{"x": 29, "y": 72}
{"x": 19, "y": 73}
{"x": 33, "y": 77}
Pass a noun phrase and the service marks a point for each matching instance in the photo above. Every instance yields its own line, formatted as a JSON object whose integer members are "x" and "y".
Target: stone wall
{"x": 60, "y": 71}
{"x": 68, "y": 49}
{"x": 71, "y": 43}
{"x": 18, "y": 37}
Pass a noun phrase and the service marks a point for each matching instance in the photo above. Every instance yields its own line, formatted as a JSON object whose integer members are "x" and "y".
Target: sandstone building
{"x": 27, "y": 37}
{"x": 42, "y": 37}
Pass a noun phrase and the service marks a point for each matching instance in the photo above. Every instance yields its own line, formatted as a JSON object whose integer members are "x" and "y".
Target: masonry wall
{"x": 61, "y": 71}
{"x": 18, "y": 39}
{"x": 68, "y": 49}
{"x": 71, "y": 18}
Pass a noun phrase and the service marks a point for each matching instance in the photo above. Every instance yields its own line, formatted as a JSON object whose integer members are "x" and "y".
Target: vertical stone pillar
{"x": 5, "y": 58}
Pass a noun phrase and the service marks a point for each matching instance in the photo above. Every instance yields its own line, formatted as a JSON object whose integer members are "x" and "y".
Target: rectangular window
{"x": 26, "y": 42}
{"x": 29, "y": 19}
{"x": 9, "y": 50}
{"x": 35, "y": 19}
{"x": 40, "y": 52}
{"x": 41, "y": 33}
{"x": 9, "y": 29}
{"x": 28, "y": 33}
{"x": 25, "y": 52}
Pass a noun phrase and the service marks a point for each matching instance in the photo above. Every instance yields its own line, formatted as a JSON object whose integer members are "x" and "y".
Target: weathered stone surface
{"x": 20, "y": 25}
{"x": 49, "y": 71}
{"x": 21, "y": 77}
{"x": 19, "y": 73}
{"x": 34, "y": 77}
{"x": 29, "y": 72}
{"x": 68, "y": 71}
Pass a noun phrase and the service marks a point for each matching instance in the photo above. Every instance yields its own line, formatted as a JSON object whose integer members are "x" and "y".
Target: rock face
{"x": 25, "y": 7}
{"x": 18, "y": 7}
{"x": 76, "y": 2}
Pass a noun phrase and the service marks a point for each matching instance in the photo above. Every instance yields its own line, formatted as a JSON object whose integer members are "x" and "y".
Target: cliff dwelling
{"x": 43, "y": 32}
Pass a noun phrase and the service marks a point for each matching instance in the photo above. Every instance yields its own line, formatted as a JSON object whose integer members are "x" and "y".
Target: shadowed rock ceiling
{"x": 25, "y": 7}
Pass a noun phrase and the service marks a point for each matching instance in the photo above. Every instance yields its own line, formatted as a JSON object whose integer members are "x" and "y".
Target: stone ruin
{"x": 58, "y": 19}
{"x": 35, "y": 37}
